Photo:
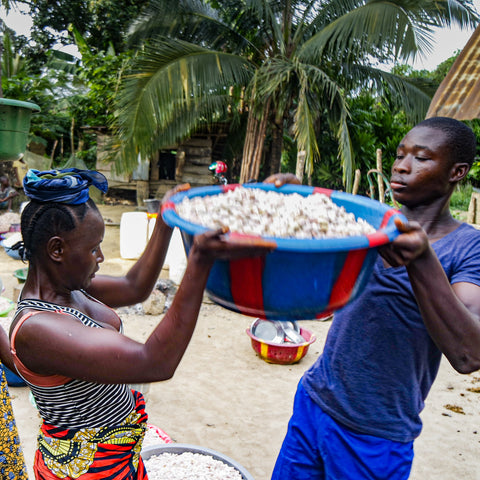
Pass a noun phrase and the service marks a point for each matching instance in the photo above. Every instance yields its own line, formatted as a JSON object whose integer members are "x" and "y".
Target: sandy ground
{"x": 226, "y": 398}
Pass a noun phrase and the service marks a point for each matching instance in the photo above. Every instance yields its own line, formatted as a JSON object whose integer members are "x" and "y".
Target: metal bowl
{"x": 292, "y": 332}
{"x": 179, "y": 448}
{"x": 283, "y": 353}
{"x": 302, "y": 278}
{"x": 268, "y": 330}
{"x": 277, "y": 331}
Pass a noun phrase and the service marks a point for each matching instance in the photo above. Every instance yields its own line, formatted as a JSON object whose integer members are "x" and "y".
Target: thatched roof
{"x": 458, "y": 96}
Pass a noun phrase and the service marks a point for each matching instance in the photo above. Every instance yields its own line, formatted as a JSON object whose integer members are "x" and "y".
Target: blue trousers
{"x": 316, "y": 447}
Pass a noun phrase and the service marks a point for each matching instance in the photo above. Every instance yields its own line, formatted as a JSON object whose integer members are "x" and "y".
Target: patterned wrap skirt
{"x": 12, "y": 463}
{"x": 107, "y": 453}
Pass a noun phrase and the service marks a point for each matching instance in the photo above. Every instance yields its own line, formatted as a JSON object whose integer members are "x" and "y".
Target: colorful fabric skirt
{"x": 107, "y": 453}
{"x": 12, "y": 463}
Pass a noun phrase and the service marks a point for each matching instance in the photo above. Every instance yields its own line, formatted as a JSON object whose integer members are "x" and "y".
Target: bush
{"x": 460, "y": 199}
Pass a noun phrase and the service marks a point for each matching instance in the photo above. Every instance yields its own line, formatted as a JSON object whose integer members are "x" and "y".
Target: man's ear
{"x": 56, "y": 248}
{"x": 459, "y": 171}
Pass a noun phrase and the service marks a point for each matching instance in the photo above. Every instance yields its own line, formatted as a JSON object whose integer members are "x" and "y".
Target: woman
{"x": 12, "y": 463}
{"x": 67, "y": 341}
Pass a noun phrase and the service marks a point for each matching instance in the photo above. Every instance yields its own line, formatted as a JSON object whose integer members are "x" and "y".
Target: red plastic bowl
{"x": 282, "y": 353}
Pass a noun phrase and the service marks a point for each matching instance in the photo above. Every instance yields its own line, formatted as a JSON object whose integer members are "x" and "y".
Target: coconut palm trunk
{"x": 276, "y": 147}
{"x": 253, "y": 146}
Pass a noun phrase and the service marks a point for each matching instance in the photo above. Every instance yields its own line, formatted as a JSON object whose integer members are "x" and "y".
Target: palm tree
{"x": 291, "y": 61}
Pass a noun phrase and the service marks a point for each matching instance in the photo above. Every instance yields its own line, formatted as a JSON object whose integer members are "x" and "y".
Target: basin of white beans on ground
{"x": 189, "y": 462}
{"x": 186, "y": 466}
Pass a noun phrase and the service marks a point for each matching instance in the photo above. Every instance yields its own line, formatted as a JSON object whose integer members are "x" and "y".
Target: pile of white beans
{"x": 253, "y": 211}
{"x": 189, "y": 466}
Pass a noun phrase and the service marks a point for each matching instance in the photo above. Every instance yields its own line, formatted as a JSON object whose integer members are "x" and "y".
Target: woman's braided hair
{"x": 41, "y": 221}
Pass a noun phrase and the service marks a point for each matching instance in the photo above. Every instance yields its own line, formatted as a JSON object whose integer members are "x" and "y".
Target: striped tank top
{"x": 78, "y": 403}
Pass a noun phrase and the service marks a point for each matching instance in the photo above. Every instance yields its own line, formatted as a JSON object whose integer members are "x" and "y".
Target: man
{"x": 7, "y": 193}
{"x": 356, "y": 411}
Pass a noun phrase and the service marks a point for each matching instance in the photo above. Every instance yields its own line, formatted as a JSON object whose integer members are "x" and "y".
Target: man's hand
{"x": 408, "y": 246}
{"x": 280, "y": 179}
{"x": 179, "y": 188}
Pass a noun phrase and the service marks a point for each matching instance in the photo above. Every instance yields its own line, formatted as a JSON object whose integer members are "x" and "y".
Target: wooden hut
{"x": 187, "y": 162}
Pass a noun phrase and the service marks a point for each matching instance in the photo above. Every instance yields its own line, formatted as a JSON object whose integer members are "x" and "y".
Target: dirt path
{"x": 224, "y": 397}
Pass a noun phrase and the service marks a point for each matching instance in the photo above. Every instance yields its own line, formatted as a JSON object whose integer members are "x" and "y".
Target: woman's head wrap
{"x": 69, "y": 185}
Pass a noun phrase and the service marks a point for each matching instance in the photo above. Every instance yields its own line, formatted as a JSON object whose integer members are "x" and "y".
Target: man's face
{"x": 422, "y": 169}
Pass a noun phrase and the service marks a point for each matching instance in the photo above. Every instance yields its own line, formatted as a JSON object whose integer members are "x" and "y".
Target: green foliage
{"x": 59, "y": 93}
{"x": 425, "y": 80}
{"x": 298, "y": 63}
{"x": 100, "y": 74}
{"x": 201, "y": 62}
{"x": 22, "y": 83}
{"x": 474, "y": 174}
{"x": 460, "y": 198}
{"x": 102, "y": 23}
{"x": 375, "y": 125}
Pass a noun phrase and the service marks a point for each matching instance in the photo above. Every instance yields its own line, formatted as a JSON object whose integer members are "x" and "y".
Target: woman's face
{"x": 83, "y": 253}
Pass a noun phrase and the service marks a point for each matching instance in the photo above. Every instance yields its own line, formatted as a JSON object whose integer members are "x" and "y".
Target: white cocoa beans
{"x": 253, "y": 211}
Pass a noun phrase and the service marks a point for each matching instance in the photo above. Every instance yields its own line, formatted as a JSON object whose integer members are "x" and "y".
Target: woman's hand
{"x": 217, "y": 245}
{"x": 179, "y": 188}
{"x": 411, "y": 244}
{"x": 280, "y": 179}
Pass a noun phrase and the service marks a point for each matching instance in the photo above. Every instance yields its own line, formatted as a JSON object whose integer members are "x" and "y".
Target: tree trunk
{"x": 253, "y": 147}
{"x": 72, "y": 133}
{"x": 277, "y": 147}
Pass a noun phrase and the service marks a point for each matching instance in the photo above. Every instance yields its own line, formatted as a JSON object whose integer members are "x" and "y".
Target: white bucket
{"x": 133, "y": 234}
{"x": 151, "y": 226}
{"x": 176, "y": 258}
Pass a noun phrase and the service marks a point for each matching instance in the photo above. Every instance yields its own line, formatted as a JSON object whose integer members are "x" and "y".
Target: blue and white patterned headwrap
{"x": 69, "y": 185}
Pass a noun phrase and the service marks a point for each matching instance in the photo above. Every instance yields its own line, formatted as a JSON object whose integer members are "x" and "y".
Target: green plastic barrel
{"x": 15, "y": 116}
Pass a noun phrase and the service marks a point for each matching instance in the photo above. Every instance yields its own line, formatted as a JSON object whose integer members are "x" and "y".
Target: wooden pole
{"x": 473, "y": 215}
{"x": 356, "y": 182}
{"x": 300, "y": 168}
{"x": 381, "y": 187}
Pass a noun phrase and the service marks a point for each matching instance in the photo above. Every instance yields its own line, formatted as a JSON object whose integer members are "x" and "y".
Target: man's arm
{"x": 11, "y": 193}
{"x": 451, "y": 313}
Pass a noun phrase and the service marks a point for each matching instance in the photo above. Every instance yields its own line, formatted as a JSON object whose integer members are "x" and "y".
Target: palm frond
{"x": 345, "y": 152}
{"x": 304, "y": 129}
{"x": 402, "y": 93}
{"x": 172, "y": 88}
{"x": 395, "y": 30}
{"x": 196, "y": 22}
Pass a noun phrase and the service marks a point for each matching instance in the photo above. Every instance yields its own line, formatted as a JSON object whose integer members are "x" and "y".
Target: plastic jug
{"x": 133, "y": 234}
